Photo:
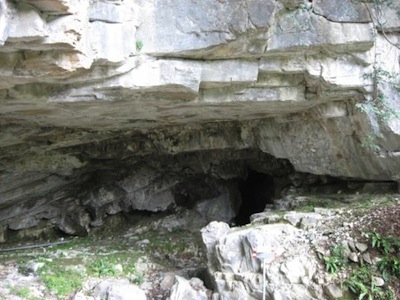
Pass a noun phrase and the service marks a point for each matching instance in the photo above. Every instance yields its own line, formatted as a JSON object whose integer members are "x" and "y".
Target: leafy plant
{"x": 384, "y": 244}
{"x": 381, "y": 75}
{"x": 361, "y": 284}
{"x": 139, "y": 45}
{"x": 336, "y": 260}
{"x": 101, "y": 268}
{"x": 381, "y": 107}
{"x": 389, "y": 265}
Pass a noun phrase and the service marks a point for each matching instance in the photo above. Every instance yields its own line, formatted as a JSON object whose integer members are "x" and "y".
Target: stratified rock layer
{"x": 109, "y": 106}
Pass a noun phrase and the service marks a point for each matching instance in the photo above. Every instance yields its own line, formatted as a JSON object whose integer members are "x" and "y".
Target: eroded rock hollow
{"x": 121, "y": 106}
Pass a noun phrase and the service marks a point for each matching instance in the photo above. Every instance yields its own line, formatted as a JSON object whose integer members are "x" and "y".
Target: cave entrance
{"x": 256, "y": 191}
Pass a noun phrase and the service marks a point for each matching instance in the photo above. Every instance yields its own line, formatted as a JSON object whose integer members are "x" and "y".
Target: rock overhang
{"x": 96, "y": 84}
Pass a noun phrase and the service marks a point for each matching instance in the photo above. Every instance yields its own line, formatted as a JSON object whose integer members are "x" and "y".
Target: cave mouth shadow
{"x": 257, "y": 190}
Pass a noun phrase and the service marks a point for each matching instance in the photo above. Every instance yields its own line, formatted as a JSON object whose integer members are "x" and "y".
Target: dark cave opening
{"x": 257, "y": 190}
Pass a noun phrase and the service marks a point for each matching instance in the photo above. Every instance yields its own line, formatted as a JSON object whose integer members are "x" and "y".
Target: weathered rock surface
{"x": 118, "y": 290}
{"x": 290, "y": 265}
{"x": 110, "y": 106}
{"x": 192, "y": 289}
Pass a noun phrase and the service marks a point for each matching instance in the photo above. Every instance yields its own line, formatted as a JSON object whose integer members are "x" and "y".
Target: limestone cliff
{"x": 112, "y": 105}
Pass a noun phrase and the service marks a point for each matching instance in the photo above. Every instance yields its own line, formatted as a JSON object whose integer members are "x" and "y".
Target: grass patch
{"x": 176, "y": 244}
{"x": 115, "y": 265}
{"x": 61, "y": 281}
{"x": 313, "y": 201}
{"x": 20, "y": 291}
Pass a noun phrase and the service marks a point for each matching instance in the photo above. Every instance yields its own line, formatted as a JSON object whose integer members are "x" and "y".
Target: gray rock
{"x": 156, "y": 92}
{"x": 222, "y": 208}
{"x": 293, "y": 218}
{"x": 3, "y": 234}
{"x": 282, "y": 204}
{"x": 188, "y": 290}
{"x": 362, "y": 247}
{"x": 75, "y": 221}
{"x": 377, "y": 281}
{"x": 367, "y": 258}
{"x": 303, "y": 220}
{"x": 27, "y": 26}
{"x": 210, "y": 235}
{"x": 342, "y": 11}
{"x": 236, "y": 273}
{"x": 333, "y": 291}
{"x": 351, "y": 245}
{"x": 81, "y": 296}
{"x": 115, "y": 289}
{"x": 167, "y": 281}
{"x": 265, "y": 218}
{"x": 353, "y": 257}
{"x": 34, "y": 266}
{"x": 310, "y": 220}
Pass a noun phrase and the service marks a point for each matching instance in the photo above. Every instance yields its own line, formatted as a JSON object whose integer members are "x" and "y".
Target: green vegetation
{"x": 139, "y": 45}
{"x": 379, "y": 104}
{"x": 119, "y": 264}
{"x": 381, "y": 75}
{"x": 21, "y": 291}
{"x": 336, "y": 260}
{"x": 102, "y": 267}
{"x": 361, "y": 283}
{"x": 63, "y": 276}
{"x": 389, "y": 265}
{"x": 362, "y": 201}
{"x": 381, "y": 243}
{"x": 363, "y": 280}
{"x": 61, "y": 281}
{"x": 66, "y": 267}
{"x": 369, "y": 142}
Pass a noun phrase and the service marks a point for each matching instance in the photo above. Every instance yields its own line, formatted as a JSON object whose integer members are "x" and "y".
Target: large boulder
{"x": 237, "y": 257}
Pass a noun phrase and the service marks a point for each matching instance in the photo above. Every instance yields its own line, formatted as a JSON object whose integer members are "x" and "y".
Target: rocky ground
{"x": 145, "y": 259}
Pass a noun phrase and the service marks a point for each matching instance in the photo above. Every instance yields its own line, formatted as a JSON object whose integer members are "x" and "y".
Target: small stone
{"x": 34, "y": 266}
{"x": 118, "y": 269}
{"x": 320, "y": 250}
{"x": 362, "y": 247}
{"x": 353, "y": 257}
{"x": 144, "y": 243}
{"x": 333, "y": 291}
{"x": 310, "y": 220}
{"x": 323, "y": 211}
{"x": 367, "y": 258}
{"x": 168, "y": 281}
{"x": 196, "y": 283}
{"x": 82, "y": 296}
{"x": 377, "y": 281}
{"x": 351, "y": 245}
{"x": 293, "y": 218}
{"x": 376, "y": 260}
{"x": 346, "y": 224}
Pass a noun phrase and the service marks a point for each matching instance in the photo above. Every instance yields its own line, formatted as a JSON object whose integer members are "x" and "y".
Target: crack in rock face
{"x": 203, "y": 109}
